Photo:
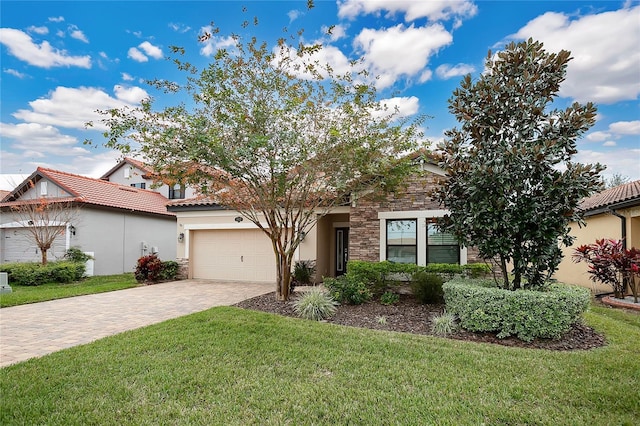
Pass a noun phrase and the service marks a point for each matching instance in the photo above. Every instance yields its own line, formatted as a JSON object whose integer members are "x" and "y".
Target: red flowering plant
{"x": 610, "y": 263}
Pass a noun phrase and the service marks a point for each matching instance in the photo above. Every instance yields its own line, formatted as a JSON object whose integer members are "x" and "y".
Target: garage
{"x": 232, "y": 255}
{"x": 18, "y": 245}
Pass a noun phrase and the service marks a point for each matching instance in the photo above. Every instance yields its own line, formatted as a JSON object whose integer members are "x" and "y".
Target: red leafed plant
{"x": 610, "y": 263}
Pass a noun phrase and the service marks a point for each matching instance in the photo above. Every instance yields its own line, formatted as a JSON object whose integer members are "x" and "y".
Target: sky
{"x": 61, "y": 62}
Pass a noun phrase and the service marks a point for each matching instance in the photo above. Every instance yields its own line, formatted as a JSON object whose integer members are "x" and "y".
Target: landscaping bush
{"x": 379, "y": 276}
{"x": 33, "y": 274}
{"x": 315, "y": 304}
{"x": 444, "y": 324}
{"x": 482, "y": 307}
{"x": 151, "y": 269}
{"x": 389, "y": 298}
{"x": 348, "y": 289}
{"x": 74, "y": 254}
{"x": 427, "y": 287}
{"x": 303, "y": 273}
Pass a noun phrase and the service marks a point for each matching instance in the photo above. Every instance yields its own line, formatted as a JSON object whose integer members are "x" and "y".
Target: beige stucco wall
{"x": 599, "y": 226}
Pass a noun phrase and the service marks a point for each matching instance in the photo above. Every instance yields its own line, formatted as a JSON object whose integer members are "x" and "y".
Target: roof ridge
{"x": 101, "y": 181}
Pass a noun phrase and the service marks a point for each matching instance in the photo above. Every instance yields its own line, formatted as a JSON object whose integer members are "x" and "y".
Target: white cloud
{"x": 137, "y": 55}
{"x": 605, "y": 51}
{"x": 56, "y": 19}
{"x": 127, "y": 77}
{"x": 43, "y": 55}
{"x": 406, "y": 106}
{"x": 15, "y": 73}
{"x": 38, "y": 30}
{"x": 337, "y": 32}
{"x": 618, "y": 161}
{"x": 179, "y": 28}
{"x": 425, "y": 76}
{"x": 625, "y": 127}
{"x": 214, "y": 44}
{"x": 598, "y": 136}
{"x": 400, "y": 51}
{"x": 293, "y": 15}
{"x": 610, "y": 143}
{"x": 130, "y": 95}
{"x": 77, "y": 34}
{"x": 433, "y": 10}
{"x": 37, "y": 140}
{"x": 74, "y": 107}
{"x": 447, "y": 71}
{"x": 151, "y": 50}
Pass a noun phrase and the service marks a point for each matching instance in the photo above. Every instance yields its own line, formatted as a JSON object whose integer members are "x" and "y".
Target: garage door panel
{"x": 232, "y": 255}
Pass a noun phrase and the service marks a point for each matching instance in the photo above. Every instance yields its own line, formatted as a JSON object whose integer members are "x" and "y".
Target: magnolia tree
{"x": 511, "y": 185}
{"x": 274, "y": 133}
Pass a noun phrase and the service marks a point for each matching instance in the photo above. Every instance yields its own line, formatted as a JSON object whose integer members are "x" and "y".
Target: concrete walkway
{"x": 38, "y": 329}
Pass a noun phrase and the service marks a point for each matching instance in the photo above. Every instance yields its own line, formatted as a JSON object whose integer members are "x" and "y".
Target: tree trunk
{"x": 43, "y": 255}
{"x": 283, "y": 278}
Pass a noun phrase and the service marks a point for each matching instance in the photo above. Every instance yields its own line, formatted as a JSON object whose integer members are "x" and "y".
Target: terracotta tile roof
{"x": 4, "y": 193}
{"x": 97, "y": 192}
{"x": 625, "y": 193}
{"x": 135, "y": 163}
{"x": 192, "y": 202}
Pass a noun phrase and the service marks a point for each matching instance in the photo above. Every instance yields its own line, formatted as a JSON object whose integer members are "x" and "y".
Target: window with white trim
{"x": 402, "y": 238}
{"x": 442, "y": 247}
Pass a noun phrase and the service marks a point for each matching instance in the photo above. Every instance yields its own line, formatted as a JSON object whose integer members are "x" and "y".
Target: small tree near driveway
{"x": 274, "y": 133}
{"x": 511, "y": 185}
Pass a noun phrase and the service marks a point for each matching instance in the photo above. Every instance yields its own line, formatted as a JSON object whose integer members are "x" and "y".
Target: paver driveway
{"x": 37, "y": 329}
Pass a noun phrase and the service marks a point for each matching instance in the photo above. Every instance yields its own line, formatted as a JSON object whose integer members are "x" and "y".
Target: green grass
{"x": 226, "y": 366}
{"x": 30, "y": 294}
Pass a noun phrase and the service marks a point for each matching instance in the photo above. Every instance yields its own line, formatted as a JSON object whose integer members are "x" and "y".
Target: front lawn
{"x": 237, "y": 367}
{"x": 31, "y": 294}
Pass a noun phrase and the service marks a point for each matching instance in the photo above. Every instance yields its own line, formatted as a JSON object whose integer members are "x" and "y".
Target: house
{"x": 217, "y": 243}
{"x": 613, "y": 213}
{"x": 115, "y": 223}
{"x": 136, "y": 174}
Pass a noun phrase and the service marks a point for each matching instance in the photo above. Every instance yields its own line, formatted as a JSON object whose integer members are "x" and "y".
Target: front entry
{"x": 342, "y": 250}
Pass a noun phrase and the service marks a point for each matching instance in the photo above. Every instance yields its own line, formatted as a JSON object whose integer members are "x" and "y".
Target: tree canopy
{"x": 511, "y": 185}
{"x": 274, "y": 133}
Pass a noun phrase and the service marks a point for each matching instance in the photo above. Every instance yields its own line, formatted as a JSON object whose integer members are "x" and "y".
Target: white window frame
{"x": 421, "y": 216}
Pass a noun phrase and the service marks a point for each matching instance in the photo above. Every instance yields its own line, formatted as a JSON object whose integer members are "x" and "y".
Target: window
{"x": 176, "y": 192}
{"x": 43, "y": 187}
{"x": 127, "y": 172}
{"x": 139, "y": 185}
{"x": 402, "y": 240}
{"x": 441, "y": 246}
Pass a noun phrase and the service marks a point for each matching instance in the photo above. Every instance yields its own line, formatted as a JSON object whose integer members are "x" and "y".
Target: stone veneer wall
{"x": 364, "y": 232}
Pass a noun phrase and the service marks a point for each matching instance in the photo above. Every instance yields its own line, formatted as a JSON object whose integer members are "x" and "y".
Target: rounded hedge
{"x": 527, "y": 314}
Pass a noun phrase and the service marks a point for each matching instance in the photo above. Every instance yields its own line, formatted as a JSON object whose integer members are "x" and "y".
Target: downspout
{"x": 623, "y": 229}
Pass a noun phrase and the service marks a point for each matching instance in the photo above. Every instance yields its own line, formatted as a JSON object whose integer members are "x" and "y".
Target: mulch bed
{"x": 409, "y": 316}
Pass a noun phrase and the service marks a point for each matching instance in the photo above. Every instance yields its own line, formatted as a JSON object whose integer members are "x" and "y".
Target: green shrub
{"x": 74, "y": 254}
{"x": 389, "y": 298}
{"x": 527, "y": 314}
{"x": 348, "y": 289}
{"x": 33, "y": 274}
{"x": 444, "y": 324}
{"x": 315, "y": 304}
{"x": 427, "y": 287}
{"x": 380, "y": 276}
{"x": 169, "y": 270}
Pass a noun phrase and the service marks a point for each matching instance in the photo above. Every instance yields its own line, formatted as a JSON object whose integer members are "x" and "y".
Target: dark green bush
{"x": 169, "y": 270}
{"x": 482, "y": 307}
{"x": 348, "y": 289}
{"x": 389, "y": 298}
{"x": 74, "y": 254}
{"x": 427, "y": 287}
{"x": 33, "y": 274}
{"x": 303, "y": 272}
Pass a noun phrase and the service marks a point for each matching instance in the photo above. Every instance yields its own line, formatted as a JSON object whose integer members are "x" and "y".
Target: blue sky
{"x": 62, "y": 61}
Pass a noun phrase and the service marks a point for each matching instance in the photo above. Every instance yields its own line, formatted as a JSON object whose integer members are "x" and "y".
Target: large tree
{"x": 511, "y": 186}
{"x": 274, "y": 133}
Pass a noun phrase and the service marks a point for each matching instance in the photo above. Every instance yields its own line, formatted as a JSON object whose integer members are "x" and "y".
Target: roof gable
{"x": 132, "y": 162}
{"x": 95, "y": 192}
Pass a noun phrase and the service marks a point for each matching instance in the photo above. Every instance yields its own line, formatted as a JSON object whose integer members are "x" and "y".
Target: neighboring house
{"x": 613, "y": 213}
{"x": 218, "y": 243}
{"x": 117, "y": 224}
{"x": 136, "y": 174}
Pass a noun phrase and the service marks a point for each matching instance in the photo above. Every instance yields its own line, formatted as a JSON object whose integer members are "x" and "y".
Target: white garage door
{"x": 19, "y": 246}
{"x": 232, "y": 255}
